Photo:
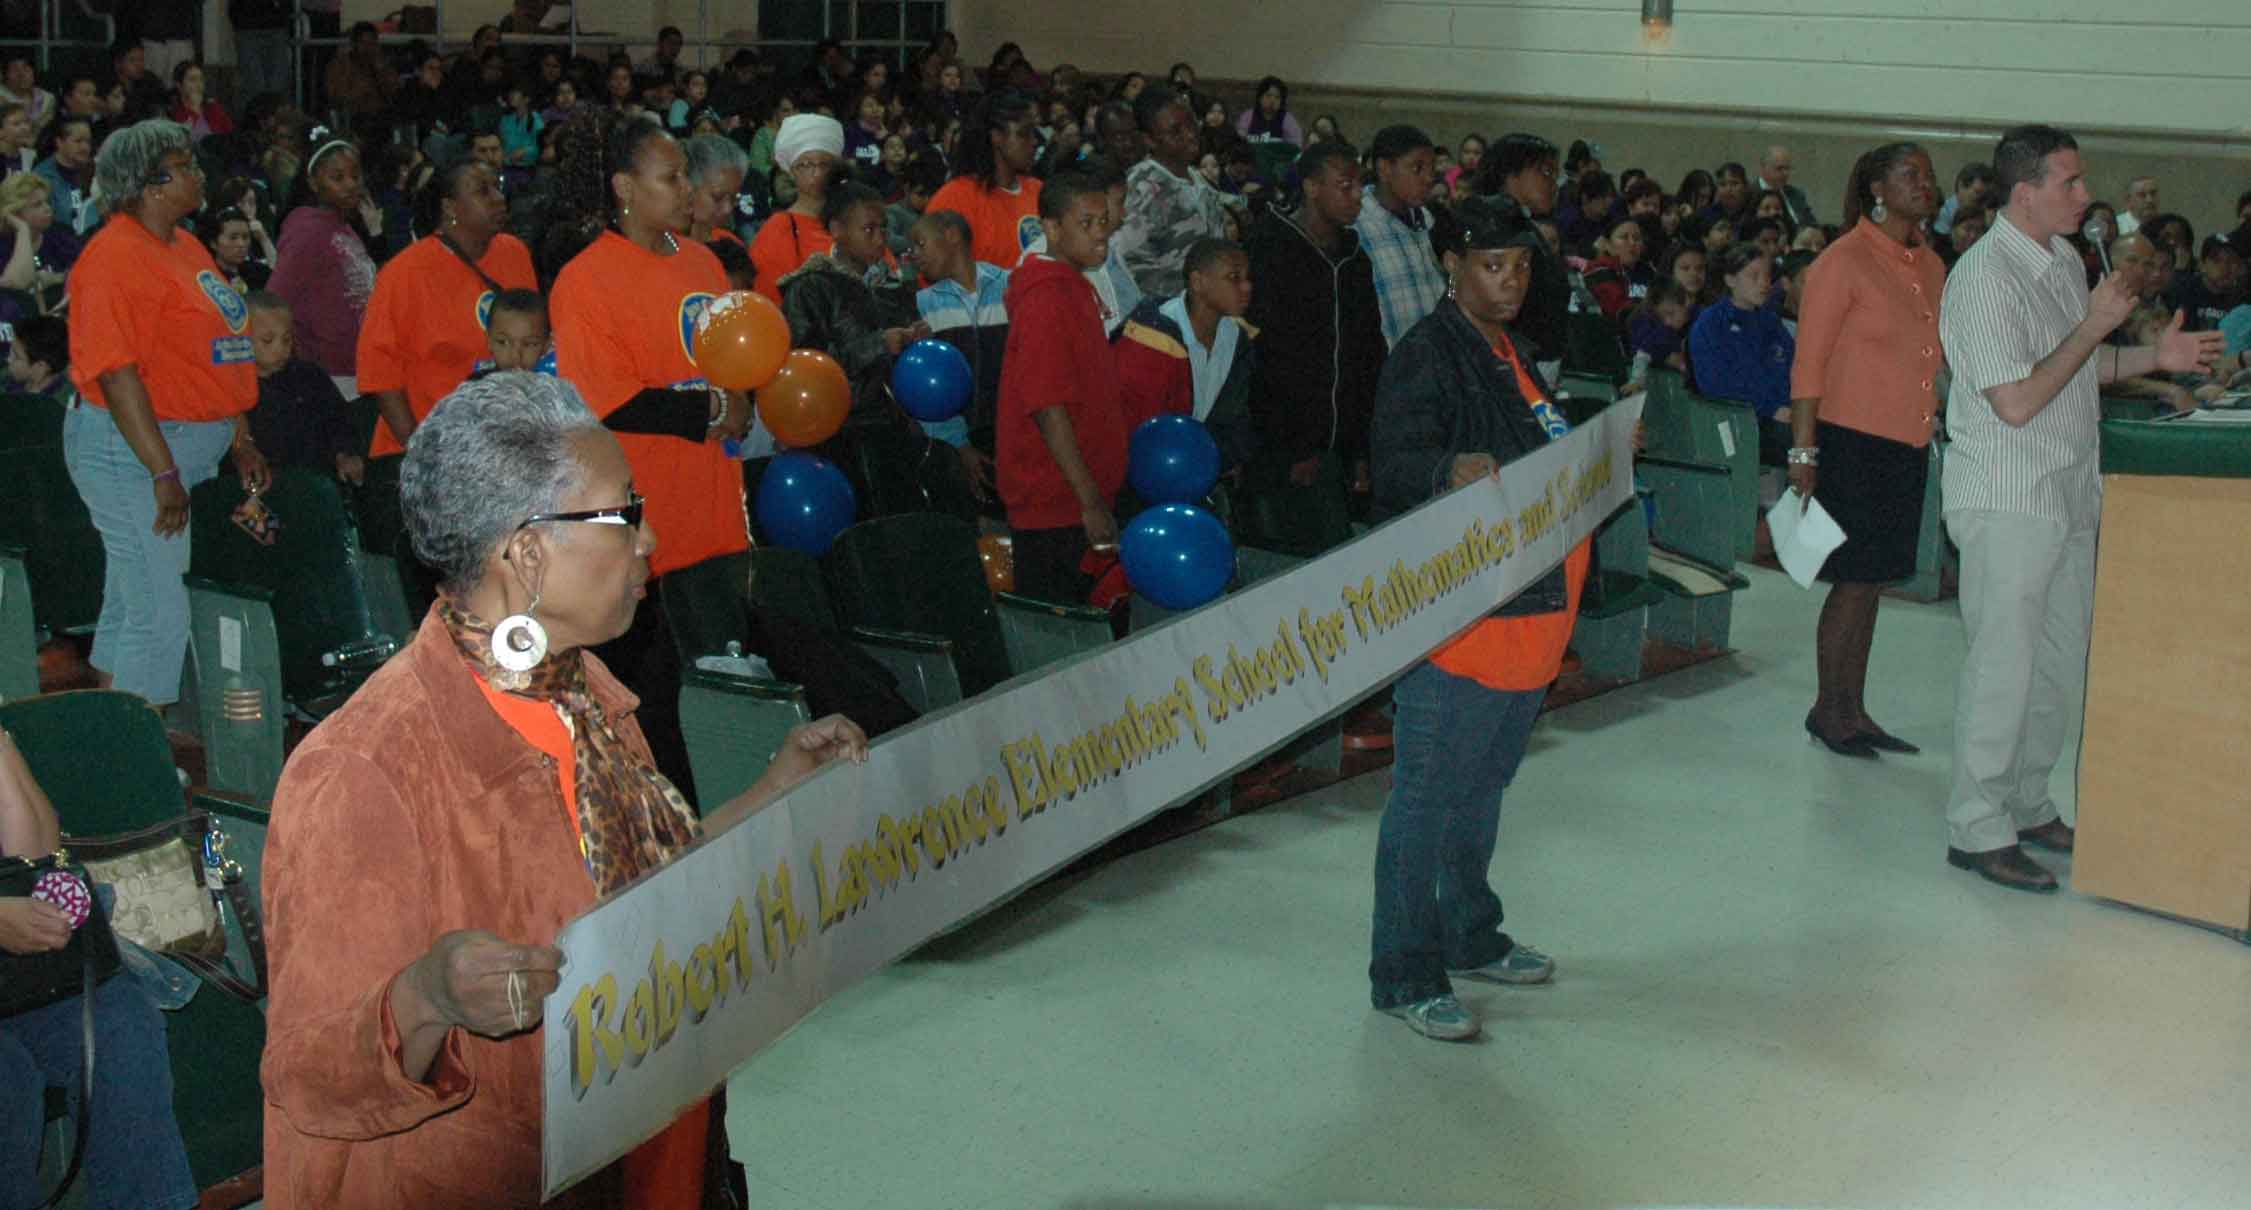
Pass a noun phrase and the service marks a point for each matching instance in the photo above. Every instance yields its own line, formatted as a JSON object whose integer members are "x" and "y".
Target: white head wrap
{"x": 803, "y": 132}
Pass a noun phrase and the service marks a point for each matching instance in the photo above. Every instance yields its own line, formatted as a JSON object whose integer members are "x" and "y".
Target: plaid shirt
{"x": 1409, "y": 282}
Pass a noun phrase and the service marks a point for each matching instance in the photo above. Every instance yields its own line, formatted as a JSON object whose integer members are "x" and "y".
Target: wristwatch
{"x": 1805, "y": 455}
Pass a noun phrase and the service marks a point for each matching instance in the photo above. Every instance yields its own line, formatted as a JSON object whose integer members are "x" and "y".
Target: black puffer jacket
{"x": 835, "y": 310}
{"x": 1443, "y": 393}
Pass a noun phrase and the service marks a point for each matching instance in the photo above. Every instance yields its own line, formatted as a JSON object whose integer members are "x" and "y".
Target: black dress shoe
{"x": 2007, "y": 867}
{"x": 1850, "y": 745}
{"x": 2055, "y": 836}
{"x": 1884, "y": 741}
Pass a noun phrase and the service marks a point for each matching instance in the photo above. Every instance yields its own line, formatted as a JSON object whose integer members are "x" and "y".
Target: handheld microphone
{"x": 2093, "y": 231}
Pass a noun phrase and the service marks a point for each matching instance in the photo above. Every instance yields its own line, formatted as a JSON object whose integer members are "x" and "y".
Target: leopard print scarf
{"x": 631, "y": 820}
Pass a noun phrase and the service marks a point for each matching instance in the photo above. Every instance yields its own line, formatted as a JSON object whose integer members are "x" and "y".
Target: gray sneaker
{"x": 1440, "y": 1017}
{"x": 1524, "y": 965}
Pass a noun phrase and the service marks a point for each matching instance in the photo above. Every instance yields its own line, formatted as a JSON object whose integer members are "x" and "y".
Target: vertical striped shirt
{"x": 1409, "y": 282}
{"x": 2009, "y": 303}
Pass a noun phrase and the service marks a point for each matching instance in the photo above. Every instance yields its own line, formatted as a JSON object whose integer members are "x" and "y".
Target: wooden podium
{"x": 2165, "y": 766}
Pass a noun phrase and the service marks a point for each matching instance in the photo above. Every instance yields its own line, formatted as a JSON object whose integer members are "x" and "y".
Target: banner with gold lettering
{"x": 676, "y": 981}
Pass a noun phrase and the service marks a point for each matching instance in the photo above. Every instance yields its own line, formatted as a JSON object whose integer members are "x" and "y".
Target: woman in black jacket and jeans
{"x": 1459, "y": 401}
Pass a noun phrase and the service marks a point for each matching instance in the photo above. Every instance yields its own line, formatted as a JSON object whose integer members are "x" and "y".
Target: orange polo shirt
{"x": 1868, "y": 344}
{"x": 425, "y": 326}
{"x": 166, "y": 310}
{"x": 1519, "y": 653}
{"x": 625, "y": 321}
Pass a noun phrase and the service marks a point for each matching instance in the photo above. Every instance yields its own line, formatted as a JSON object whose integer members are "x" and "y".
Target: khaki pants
{"x": 2028, "y": 598}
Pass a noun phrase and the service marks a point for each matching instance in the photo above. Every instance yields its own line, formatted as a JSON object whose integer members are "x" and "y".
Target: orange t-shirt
{"x": 785, "y": 242}
{"x": 164, "y": 309}
{"x": 425, "y": 326}
{"x": 1001, "y": 224}
{"x": 1520, "y": 653}
{"x": 625, "y": 321}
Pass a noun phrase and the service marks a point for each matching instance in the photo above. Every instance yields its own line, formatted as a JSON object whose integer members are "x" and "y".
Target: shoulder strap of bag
{"x": 219, "y": 970}
{"x": 457, "y": 250}
{"x": 85, "y": 1112}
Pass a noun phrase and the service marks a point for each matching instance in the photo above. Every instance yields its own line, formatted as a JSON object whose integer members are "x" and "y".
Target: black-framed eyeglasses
{"x": 627, "y": 515}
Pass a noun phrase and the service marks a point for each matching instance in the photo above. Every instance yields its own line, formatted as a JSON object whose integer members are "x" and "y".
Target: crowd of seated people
{"x": 1102, "y": 250}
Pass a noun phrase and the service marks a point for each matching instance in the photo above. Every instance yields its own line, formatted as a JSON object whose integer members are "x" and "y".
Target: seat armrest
{"x": 902, "y": 640}
{"x": 1075, "y": 613}
{"x": 1680, "y": 464}
{"x": 248, "y": 592}
{"x": 230, "y": 806}
{"x": 764, "y": 689}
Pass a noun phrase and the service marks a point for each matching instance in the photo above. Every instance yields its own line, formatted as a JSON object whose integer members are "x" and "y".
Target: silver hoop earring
{"x": 1877, "y": 212}
{"x": 519, "y": 643}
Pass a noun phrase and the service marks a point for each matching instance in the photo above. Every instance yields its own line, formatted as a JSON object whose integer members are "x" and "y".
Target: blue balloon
{"x": 804, "y": 502}
{"x": 1172, "y": 460}
{"x": 932, "y": 381}
{"x": 1177, "y": 555}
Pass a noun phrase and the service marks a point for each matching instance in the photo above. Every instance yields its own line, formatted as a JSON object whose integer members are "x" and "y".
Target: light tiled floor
{"x": 1773, "y": 992}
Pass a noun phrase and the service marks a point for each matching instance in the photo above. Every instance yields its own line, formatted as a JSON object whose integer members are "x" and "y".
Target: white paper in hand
{"x": 1804, "y": 534}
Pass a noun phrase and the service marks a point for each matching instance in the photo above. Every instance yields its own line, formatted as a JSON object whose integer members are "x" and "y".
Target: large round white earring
{"x": 1877, "y": 213}
{"x": 519, "y": 643}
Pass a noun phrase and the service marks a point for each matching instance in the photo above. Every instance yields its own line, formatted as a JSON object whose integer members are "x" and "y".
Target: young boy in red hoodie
{"x": 1062, "y": 424}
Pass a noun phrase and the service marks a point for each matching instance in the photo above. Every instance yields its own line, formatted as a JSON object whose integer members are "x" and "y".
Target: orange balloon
{"x": 741, "y": 339}
{"x": 998, "y": 553}
{"x": 807, "y": 401}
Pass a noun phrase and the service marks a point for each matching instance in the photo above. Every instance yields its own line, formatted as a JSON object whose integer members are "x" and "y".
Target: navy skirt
{"x": 1873, "y": 486}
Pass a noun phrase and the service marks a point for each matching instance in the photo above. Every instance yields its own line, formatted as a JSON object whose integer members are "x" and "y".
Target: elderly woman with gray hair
{"x": 160, "y": 352}
{"x": 486, "y": 786}
{"x": 716, "y": 167}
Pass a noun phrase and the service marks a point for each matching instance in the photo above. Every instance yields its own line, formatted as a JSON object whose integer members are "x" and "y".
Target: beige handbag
{"x": 162, "y": 903}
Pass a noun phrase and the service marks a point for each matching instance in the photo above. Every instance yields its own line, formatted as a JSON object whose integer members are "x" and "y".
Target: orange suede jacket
{"x": 413, "y": 811}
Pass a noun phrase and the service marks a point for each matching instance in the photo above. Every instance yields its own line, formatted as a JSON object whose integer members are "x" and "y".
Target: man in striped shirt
{"x": 2024, "y": 337}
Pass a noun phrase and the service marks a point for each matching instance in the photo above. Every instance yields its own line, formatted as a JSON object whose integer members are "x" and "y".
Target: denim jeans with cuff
{"x": 1455, "y": 747}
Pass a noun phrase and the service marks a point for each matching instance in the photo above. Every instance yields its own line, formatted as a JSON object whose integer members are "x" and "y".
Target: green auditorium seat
{"x": 734, "y": 723}
{"x": 1692, "y": 561}
{"x": 40, "y": 511}
{"x": 1686, "y": 427}
{"x": 1039, "y": 633}
{"x": 400, "y": 590}
{"x": 2120, "y": 407}
{"x": 274, "y": 626}
{"x": 921, "y": 573}
{"x": 1278, "y": 525}
{"x": 1614, "y": 605}
{"x": 734, "y": 720}
{"x": 906, "y": 472}
{"x": 19, "y": 640}
{"x": 1934, "y": 556}
{"x": 1593, "y": 351}
{"x": 129, "y": 783}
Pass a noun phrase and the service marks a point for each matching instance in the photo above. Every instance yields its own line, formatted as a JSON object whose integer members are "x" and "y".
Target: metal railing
{"x": 50, "y": 27}
{"x": 703, "y": 44}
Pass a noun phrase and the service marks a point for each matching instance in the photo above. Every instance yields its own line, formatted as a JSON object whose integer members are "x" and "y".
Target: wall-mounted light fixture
{"x": 1657, "y": 15}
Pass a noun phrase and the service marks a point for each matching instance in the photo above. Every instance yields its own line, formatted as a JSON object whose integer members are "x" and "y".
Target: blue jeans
{"x": 1455, "y": 747}
{"x": 134, "y": 1156}
{"x": 141, "y": 638}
